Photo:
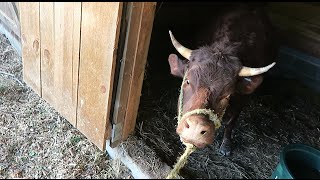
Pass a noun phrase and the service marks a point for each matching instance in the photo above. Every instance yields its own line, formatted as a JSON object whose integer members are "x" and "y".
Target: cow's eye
{"x": 187, "y": 81}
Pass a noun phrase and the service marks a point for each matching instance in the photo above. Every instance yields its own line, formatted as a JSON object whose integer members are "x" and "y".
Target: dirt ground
{"x": 281, "y": 112}
{"x": 35, "y": 141}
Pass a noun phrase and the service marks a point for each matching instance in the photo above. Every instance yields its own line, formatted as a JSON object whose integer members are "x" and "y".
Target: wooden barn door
{"x": 69, "y": 53}
{"x": 75, "y": 58}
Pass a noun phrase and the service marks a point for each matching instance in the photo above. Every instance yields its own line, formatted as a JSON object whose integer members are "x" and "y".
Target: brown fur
{"x": 240, "y": 37}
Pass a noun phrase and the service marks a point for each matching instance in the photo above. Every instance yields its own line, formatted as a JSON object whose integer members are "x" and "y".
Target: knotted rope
{"x": 190, "y": 148}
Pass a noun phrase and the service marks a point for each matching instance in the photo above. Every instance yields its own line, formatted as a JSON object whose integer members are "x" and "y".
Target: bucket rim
{"x": 292, "y": 147}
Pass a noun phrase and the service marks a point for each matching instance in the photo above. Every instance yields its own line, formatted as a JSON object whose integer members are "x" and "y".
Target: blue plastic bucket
{"x": 298, "y": 161}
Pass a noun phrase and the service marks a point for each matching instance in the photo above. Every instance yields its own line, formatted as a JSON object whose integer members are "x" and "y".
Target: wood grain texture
{"x": 100, "y": 27}
{"x": 134, "y": 11}
{"x": 30, "y": 36}
{"x": 144, "y": 34}
{"x": 60, "y": 42}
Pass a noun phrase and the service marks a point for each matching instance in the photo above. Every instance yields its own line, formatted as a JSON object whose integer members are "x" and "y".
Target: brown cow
{"x": 222, "y": 74}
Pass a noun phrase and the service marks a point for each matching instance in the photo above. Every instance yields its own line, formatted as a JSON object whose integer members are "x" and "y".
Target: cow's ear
{"x": 177, "y": 66}
{"x": 247, "y": 85}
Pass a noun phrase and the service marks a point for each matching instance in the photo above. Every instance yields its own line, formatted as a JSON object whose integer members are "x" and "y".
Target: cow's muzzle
{"x": 196, "y": 130}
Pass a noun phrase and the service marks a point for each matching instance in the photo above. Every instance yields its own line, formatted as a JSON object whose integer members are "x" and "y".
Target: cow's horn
{"x": 246, "y": 71}
{"x": 185, "y": 52}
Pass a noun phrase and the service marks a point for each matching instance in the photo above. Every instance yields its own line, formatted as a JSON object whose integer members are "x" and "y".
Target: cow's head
{"x": 211, "y": 74}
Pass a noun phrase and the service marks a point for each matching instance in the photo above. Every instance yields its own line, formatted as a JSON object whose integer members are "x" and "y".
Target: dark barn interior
{"x": 285, "y": 108}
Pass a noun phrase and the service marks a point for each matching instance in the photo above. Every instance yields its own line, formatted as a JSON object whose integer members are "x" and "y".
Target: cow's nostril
{"x": 203, "y": 132}
{"x": 187, "y": 125}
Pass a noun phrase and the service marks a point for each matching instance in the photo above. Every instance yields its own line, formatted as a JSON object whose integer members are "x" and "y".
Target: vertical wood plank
{"x": 47, "y": 50}
{"x": 133, "y": 17}
{"x": 30, "y": 36}
{"x": 77, "y": 14}
{"x": 67, "y": 45}
{"x": 99, "y": 39}
{"x": 60, "y": 34}
{"x": 145, "y": 29}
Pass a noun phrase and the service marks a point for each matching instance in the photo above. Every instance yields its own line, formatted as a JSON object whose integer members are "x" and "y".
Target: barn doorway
{"x": 266, "y": 124}
{"x": 158, "y": 103}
